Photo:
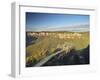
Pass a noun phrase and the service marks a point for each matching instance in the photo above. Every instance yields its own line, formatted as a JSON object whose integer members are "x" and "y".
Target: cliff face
{"x": 73, "y": 57}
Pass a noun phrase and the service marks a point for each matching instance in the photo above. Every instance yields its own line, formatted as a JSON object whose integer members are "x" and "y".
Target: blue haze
{"x": 56, "y": 22}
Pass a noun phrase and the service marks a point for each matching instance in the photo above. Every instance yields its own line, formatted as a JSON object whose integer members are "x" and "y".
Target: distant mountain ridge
{"x": 78, "y": 28}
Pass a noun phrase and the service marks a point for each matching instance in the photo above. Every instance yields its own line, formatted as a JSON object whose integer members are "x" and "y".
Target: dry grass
{"x": 47, "y": 45}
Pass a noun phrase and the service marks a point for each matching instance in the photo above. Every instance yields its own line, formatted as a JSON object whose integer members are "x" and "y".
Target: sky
{"x": 55, "y": 21}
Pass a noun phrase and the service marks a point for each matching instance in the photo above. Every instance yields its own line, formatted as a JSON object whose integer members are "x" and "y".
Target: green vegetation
{"x": 46, "y": 45}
